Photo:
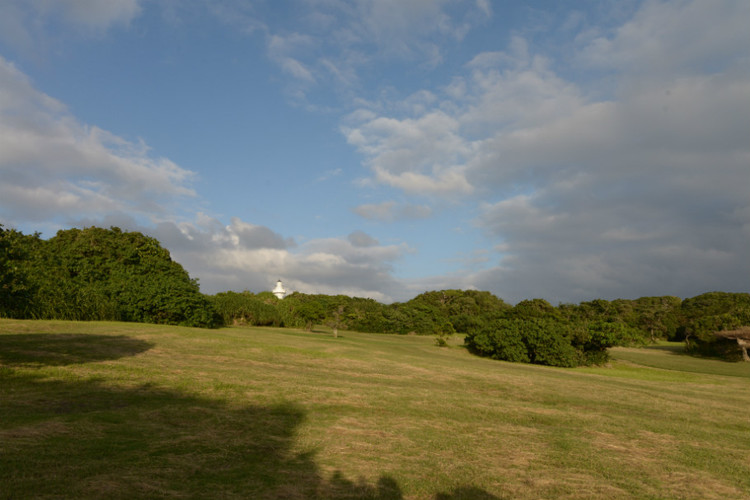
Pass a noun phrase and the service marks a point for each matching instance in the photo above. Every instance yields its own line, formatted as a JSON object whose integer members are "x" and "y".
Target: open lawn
{"x": 116, "y": 410}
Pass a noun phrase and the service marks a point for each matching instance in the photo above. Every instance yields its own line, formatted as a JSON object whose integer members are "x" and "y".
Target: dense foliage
{"x": 247, "y": 308}
{"x": 14, "y": 288}
{"x": 108, "y": 274}
{"x": 535, "y": 332}
{"x": 447, "y": 311}
{"x": 98, "y": 274}
{"x": 707, "y": 316}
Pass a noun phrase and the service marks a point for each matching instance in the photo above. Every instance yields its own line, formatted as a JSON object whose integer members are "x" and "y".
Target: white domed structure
{"x": 279, "y": 290}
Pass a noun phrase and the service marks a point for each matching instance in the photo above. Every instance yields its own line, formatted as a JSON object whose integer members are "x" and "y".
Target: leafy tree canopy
{"x": 105, "y": 274}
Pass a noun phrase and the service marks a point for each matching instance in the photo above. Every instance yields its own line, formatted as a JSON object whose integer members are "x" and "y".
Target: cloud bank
{"x": 643, "y": 193}
{"x": 619, "y": 168}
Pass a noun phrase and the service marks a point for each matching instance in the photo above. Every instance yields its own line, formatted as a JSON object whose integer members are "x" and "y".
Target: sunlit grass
{"x": 124, "y": 410}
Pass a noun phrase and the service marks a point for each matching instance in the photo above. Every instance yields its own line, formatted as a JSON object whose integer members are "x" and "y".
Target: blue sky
{"x": 562, "y": 150}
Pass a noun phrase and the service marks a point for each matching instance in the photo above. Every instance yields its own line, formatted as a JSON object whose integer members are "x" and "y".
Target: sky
{"x": 564, "y": 150}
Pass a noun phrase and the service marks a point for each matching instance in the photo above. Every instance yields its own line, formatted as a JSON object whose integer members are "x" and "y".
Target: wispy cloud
{"x": 329, "y": 174}
{"x": 55, "y": 167}
{"x": 331, "y": 43}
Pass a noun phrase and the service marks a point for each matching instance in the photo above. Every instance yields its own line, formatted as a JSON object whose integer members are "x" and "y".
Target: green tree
{"x": 337, "y": 317}
{"x": 533, "y": 308}
{"x": 535, "y": 340}
{"x": 658, "y": 317}
{"x": 709, "y": 314}
{"x": 246, "y": 308}
{"x": 15, "y": 289}
{"x": 312, "y": 312}
{"x": 501, "y": 339}
{"x": 108, "y": 274}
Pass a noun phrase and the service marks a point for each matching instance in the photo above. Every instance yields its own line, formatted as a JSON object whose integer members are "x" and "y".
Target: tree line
{"x": 109, "y": 274}
{"x": 97, "y": 274}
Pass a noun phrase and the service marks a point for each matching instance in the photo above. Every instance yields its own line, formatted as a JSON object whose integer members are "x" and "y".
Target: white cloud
{"x": 636, "y": 197}
{"x": 442, "y": 139}
{"x": 640, "y": 192}
{"x": 296, "y": 69}
{"x": 58, "y": 172}
{"x": 512, "y": 118}
{"x": 361, "y": 239}
{"x": 282, "y": 50}
{"x": 251, "y": 236}
{"x": 54, "y": 167}
{"x": 242, "y": 255}
{"x": 245, "y": 256}
{"x": 423, "y": 155}
{"x": 384, "y": 211}
{"x": 668, "y": 36}
{"x": 515, "y": 91}
{"x": 440, "y": 181}
{"x": 643, "y": 193}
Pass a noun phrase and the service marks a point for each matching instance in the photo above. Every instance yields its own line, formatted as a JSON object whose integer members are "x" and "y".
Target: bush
{"x": 107, "y": 274}
{"x": 247, "y": 309}
{"x": 710, "y": 314}
{"x": 501, "y": 339}
{"x": 598, "y": 336}
{"x": 544, "y": 341}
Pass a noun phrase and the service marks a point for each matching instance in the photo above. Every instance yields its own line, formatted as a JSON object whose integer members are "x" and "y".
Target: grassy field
{"x": 114, "y": 410}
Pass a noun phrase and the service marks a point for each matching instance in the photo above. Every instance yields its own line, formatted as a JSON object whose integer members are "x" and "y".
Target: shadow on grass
{"x": 678, "y": 348}
{"x": 92, "y": 439}
{"x": 466, "y": 493}
{"x": 59, "y": 349}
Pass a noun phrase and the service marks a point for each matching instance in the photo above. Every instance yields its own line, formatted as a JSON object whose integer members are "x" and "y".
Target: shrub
{"x": 501, "y": 339}
{"x": 544, "y": 341}
{"x": 108, "y": 274}
{"x": 710, "y": 314}
{"x": 247, "y": 309}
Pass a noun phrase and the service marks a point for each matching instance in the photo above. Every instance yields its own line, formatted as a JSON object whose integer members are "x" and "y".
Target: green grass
{"x": 672, "y": 356}
{"x": 92, "y": 410}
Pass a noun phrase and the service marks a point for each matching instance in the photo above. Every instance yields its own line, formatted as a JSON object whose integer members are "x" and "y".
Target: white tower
{"x": 279, "y": 290}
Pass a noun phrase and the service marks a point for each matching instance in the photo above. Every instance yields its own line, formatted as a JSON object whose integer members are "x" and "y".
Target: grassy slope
{"x": 125, "y": 410}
